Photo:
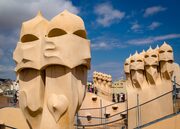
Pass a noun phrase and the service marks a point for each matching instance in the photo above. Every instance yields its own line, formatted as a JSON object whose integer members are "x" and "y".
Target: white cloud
{"x": 14, "y": 12}
{"x": 4, "y": 68}
{"x": 7, "y": 71}
{"x": 104, "y": 43}
{"x": 136, "y": 27}
{"x": 107, "y": 15}
{"x": 152, "y": 39}
{"x": 154, "y": 25}
{"x": 132, "y": 14}
{"x": 153, "y": 10}
{"x": 6, "y": 41}
{"x": 1, "y": 53}
{"x": 101, "y": 45}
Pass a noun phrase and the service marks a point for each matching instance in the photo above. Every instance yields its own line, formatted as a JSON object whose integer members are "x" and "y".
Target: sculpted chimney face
{"x": 166, "y": 53}
{"x": 104, "y": 79}
{"x": 67, "y": 36}
{"x": 137, "y": 62}
{"x": 137, "y": 69}
{"x": 100, "y": 78}
{"x": 95, "y": 77}
{"x": 52, "y": 62}
{"x": 109, "y": 79}
{"x": 68, "y": 49}
{"x": 151, "y": 63}
{"x": 127, "y": 66}
{"x": 32, "y": 39}
{"x": 31, "y": 80}
{"x": 166, "y": 60}
{"x": 151, "y": 58}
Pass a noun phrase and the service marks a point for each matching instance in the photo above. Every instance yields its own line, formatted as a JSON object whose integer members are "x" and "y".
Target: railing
{"x": 158, "y": 120}
{"x": 176, "y": 111}
{"x": 103, "y": 121}
{"x": 117, "y": 115}
{"x": 101, "y": 118}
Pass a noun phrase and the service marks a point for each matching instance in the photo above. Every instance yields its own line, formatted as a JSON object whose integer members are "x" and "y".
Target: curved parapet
{"x": 13, "y": 117}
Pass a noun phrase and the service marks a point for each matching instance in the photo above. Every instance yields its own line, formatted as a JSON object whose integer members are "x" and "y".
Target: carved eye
{"x": 132, "y": 61}
{"x": 132, "y": 70}
{"x": 161, "y": 51}
{"x": 126, "y": 64}
{"x": 139, "y": 60}
{"x": 146, "y": 56}
{"x": 170, "y": 61}
{"x": 154, "y": 56}
{"x": 56, "y": 32}
{"x": 28, "y": 38}
{"x": 80, "y": 33}
{"x": 169, "y": 51}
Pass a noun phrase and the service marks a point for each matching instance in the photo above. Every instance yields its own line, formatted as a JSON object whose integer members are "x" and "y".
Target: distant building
{"x": 8, "y": 87}
{"x": 119, "y": 87}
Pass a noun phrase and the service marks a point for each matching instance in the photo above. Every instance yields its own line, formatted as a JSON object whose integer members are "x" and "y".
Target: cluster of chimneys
{"x": 151, "y": 57}
{"x": 102, "y": 76}
{"x": 152, "y": 64}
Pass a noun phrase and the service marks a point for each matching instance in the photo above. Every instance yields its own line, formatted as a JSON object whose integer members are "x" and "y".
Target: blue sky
{"x": 116, "y": 28}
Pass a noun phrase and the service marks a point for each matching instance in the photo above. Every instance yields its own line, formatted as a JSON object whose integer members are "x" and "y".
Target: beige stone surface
{"x": 53, "y": 74}
{"x": 52, "y": 59}
{"x": 150, "y": 77}
{"x": 103, "y": 83}
{"x": 176, "y": 71}
{"x": 151, "y": 66}
{"x": 32, "y": 39}
{"x": 126, "y": 65}
{"x": 13, "y": 117}
{"x": 170, "y": 123}
{"x": 31, "y": 95}
{"x": 93, "y": 108}
{"x": 119, "y": 86}
{"x": 166, "y": 61}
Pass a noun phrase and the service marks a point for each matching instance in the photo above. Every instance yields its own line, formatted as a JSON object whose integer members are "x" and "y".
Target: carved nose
{"x": 50, "y": 46}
